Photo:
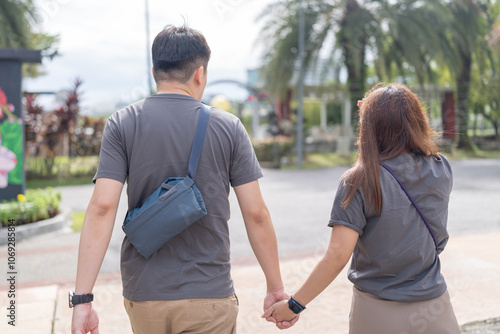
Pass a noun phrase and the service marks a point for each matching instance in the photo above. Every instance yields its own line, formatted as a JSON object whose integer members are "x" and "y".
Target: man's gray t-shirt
{"x": 149, "y": 141}
{"x": 395, "y": 257}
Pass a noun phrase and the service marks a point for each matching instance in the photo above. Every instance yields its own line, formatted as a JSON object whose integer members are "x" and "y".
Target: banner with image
{"x": 11, "y": 144}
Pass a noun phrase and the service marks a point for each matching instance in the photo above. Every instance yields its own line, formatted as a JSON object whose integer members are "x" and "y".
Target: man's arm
{"x": 262, "y": 238}
{"x": 94, "y": 240}
{"x": 260, "y": 232}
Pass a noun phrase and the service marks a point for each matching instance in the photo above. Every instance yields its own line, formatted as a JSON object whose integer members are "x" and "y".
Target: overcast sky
{"x": 104, "y": 43}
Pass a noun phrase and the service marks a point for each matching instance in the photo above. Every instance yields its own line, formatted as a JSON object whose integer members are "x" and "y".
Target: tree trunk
{"x": 474, "y": 126}
{"x": 463, "y": 85}
{"x": 353, "y": 48}
{"x": 356, "y": 86}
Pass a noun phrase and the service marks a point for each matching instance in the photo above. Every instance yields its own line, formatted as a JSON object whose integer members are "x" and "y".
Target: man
{"x": 186, "y": 285}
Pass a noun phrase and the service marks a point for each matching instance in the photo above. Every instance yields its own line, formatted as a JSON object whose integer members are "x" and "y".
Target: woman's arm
{"x": 342, "y": 243}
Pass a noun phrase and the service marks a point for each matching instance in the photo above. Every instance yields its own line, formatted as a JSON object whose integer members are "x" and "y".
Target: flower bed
{"x": 36, "y": 205}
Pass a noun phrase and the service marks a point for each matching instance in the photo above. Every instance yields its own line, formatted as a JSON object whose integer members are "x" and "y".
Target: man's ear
{"x": 198, "y": 75}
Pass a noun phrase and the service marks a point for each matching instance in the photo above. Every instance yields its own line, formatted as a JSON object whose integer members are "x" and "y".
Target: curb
{"x": 27, "y": 231}
{"x": 488, "y": 326}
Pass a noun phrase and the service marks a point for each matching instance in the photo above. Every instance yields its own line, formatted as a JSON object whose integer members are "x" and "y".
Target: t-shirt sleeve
{"x": 351, "y": 216}
{"x": 113, "y": 156}
{"x": 244, "y": 166}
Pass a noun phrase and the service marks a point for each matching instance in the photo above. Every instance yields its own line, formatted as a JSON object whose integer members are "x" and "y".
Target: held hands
{"x": 281, "y": 313}
{"x": 275, "y": 312}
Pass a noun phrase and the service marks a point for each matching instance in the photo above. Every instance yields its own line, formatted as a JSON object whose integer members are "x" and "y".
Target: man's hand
{"x": 84, "y": 320}
{"x": 273, "y": 297}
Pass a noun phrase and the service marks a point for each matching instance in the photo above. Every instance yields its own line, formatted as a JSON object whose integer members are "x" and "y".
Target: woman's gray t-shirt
{"x": 395, "y": 257}
{"x": 146, "y": 143}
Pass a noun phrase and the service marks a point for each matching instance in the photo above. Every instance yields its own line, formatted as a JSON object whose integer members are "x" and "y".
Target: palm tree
{"x": 322, "y": 20}
{"x": 408, "y": 45}
{"x": 467, "y": 34}
{"x": 454, "y": 37}
{"x": 405, "y": 38}
{"x": 485, "y": 80}
{"x": 15, "y": 25}
{"x": 17, "y": 19}
{"x": 394, "y": 32}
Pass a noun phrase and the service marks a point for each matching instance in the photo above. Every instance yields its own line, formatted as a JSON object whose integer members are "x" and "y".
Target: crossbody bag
{"x": 173, "y": 207}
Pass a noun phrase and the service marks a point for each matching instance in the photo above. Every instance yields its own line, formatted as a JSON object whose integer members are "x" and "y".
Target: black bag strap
{"x": 199, "y": 138}
{"x": 414, "y": 204}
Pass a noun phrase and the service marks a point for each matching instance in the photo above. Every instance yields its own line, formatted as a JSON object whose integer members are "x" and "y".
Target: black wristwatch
{"x": 79, "y": 299}
{"x": 295, "y": 306}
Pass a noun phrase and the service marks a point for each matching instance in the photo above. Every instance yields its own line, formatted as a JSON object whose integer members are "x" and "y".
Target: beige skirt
{"x": 373, "y": 315}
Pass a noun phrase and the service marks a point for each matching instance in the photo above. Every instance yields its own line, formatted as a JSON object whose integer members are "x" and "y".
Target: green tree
{"x": 15, "y": 23}
{"x": 18, "y": 19}
{"x": 323, "y": 19}
{"x": 413, "y": 41}
{"x": 398, "y": 35}
{"x": 467, "y": 34}
{"x": 406, "y": 44}
{"x": 484, "y": 96}
{"x": 485, "y": 79}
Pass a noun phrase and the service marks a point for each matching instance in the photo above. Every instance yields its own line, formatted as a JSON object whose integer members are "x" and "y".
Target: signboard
{"x": 12, "y": 179}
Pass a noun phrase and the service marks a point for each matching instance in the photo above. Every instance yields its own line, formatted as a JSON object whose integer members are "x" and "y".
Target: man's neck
{"x": 174, "y": 88}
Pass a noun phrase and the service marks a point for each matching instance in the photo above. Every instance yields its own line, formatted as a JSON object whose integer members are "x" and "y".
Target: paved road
{"x": 299, "y": 202}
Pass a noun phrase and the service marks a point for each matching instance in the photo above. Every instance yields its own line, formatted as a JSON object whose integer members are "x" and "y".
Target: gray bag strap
{"x": 199, "y": 138}
{"x": 414, "y": 204}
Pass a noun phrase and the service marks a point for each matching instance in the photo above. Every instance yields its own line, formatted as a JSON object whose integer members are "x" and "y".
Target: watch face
{"x": 70, "y": 299}
{"x": 294, "y": 306}
{"x": 295, "y": 309}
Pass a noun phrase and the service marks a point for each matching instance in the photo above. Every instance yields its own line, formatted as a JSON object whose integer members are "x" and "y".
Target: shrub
{"x": 60, "y": 167}
{"x": 38, "y": 204}
{"x": 271, "y": 150}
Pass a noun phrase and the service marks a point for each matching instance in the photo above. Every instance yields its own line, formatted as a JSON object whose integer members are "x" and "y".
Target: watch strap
{"x": 295, "y": 306}
{"x": 82, "y": 299}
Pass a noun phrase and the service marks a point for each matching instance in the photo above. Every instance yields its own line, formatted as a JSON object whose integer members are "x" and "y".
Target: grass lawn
{"x": 72, "y": 181}
{"x": 460, "y": 155}
{"x": 326, "y": 160}
{"x": 77, "y": 220}
{"x": 322, "y": 160}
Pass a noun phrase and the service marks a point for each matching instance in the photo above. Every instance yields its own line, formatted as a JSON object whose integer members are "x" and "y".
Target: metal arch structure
{"x": 252, "y": 89}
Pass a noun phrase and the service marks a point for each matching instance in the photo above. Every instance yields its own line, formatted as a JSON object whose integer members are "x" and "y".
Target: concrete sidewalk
{"x": 470, "y": 264}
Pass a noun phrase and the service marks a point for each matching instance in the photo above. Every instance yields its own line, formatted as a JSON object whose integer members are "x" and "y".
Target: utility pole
{"x": 255, "y": 116}
{"x": 148, "y": 51}
{"x": 300, "y": 88}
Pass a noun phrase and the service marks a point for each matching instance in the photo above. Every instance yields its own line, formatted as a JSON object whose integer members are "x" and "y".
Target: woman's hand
{"x": 280, "y": 311}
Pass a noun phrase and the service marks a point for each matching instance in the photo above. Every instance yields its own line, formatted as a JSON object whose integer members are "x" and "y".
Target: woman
{"x": 395, "y": 268}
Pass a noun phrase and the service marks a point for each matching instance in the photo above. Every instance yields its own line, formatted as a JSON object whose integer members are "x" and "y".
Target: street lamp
{"x": 148, "y": 50}
{"x": 300, "y": 88}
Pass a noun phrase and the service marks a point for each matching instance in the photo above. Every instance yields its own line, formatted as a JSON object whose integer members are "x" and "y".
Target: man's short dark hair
{"x": 177, "y": 52}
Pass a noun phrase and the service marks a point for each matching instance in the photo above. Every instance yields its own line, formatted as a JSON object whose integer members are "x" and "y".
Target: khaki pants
{"x": 370, "y": 314}
{"x": 204, "y": 315}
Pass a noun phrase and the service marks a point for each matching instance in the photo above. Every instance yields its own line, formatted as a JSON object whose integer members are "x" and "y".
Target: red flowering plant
{"x": 7, "y": 109}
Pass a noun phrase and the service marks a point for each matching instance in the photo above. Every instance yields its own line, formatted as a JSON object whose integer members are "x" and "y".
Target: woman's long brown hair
{"x": 391, "y": 122}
